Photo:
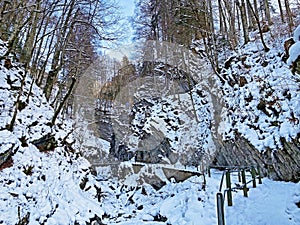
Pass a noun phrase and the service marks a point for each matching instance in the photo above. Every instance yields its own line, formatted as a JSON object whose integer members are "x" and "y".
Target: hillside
{"x": 261, "y": 106}
{"x": 163, "y": 112}
{"x": 40, "y": 184}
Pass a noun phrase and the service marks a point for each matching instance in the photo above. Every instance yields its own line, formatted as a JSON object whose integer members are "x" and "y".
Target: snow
{"x": 293, "y": 205}
{"x": 294, "y": 53}
{"x": 46, "y": 185}
{"x": 187, "y": 203}
{"x": 51, "y": 193}
{"x": 265, "y": 205}
{"x": 265, "y": 107}
{"x": 7, "y": 140}
{"x": 297, "y": 34}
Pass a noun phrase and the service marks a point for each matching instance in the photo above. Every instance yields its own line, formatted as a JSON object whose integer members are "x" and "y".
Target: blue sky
{"x": 127, "y": 7}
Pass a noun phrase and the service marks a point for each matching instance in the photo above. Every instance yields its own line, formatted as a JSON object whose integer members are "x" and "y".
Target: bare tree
{"x": 230, "y": 8}
{"x": 281, "y": 11}
{"x": 266, "y": 48}
{"x": 14, "y": 20}
{"x": 242, "y": 7}
{"x": 57, "y": 40}
{"x": 289, "y": 15}
{"x": 27, "y": 52}
{"x": 266, "y": 7}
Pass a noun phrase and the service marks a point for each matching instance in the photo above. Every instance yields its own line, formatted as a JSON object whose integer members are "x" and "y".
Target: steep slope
{"x": 40, "y": 179}
{"x": 154, "y": 113}
{"x": 261, "y": 111}
{"x": 248, "y": 115}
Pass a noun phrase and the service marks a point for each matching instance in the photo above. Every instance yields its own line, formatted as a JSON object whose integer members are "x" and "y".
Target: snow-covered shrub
{"x": 294, "y": 53}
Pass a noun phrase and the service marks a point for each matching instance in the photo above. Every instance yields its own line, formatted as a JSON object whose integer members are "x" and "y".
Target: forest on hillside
{"x": 205, "y": 89}
{"x": 60, "y": 43}
{"x": 58, "y": 40}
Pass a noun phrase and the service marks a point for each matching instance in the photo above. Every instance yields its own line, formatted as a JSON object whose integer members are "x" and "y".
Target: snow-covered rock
{"x": 260, "y": 116}
{"x": 297, "y": 34}
{"x": 294, "y": 52}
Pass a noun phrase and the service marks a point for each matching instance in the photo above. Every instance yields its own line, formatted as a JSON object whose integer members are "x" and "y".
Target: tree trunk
{"x": 266, "y": 49}
{"x": 37, "y": 48}
{"x": 10, "y": 127}
{"x": 255, "y": 11}
{"x": 49, "y": 83}
{"x": 56, "y": 113}
{"x": 221, "y": 20}
{"x": 267, "y": 12}
{"x": 251, "y": 18}
{"x": 212, "y": 32}
{"x": 281, "y": 11}
{"x": 29, "y": 43}
{"x": 37, "y": 51}
{"x": 237, "y": 3}
{"x": 244, "y": 21}
{"x": 19, "y": 25}
{"x": 289, "y": 15}
{"x": 49, "y": 42}
{"x": 55, "y": 66}
{"x": 229, "y": 5}
{"x": 2, "y": 28}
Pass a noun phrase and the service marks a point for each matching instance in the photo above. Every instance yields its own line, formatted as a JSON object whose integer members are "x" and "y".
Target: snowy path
{"x": 186, "y": 203}
{"x": 265, "y": 205}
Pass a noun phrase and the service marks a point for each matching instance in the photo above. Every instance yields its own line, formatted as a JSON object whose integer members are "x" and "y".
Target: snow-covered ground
{"x": 47, "y": 187}
{"x": 270, "y": 203}
{"x": 40, "y": 186}
{"x": 190, "y": 203}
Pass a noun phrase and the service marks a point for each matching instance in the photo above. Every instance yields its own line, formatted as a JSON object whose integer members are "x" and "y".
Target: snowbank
{"x": 294, "y": 50}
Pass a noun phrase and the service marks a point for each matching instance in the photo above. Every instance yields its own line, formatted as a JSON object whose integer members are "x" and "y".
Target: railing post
{"x": 239, "y": 175}
{"x": 253, "y": 174}
{"x": 259, "y": 175}
{"x": 220, "y": 209}
{"x": 228, "y": 186}
{"x": 244, "y": 183}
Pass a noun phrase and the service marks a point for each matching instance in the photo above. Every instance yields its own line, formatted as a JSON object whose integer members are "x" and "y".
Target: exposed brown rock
{"x": 282, "y": 164}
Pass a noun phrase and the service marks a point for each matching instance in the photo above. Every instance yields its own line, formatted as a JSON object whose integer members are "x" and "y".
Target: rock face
{"x": 287, "y": 161}
{"x": 125, "y": 109}
{"x": 46, "y": 143}
{"x": 179, "y": 175}
{"x": 163, "y": 150}
{"x": 283, "y": 164}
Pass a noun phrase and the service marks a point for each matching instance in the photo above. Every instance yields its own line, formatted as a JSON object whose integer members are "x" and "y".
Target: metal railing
{"x": 242, "y": 178}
